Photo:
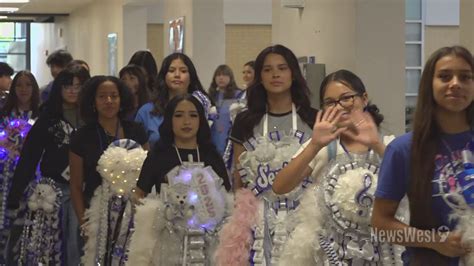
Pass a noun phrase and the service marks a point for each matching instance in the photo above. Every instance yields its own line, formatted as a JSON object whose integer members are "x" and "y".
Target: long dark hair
{"x": 426, "y": 138}
{"x": 166, "y": 129}
{"x": 146, "y": 60}
{"x": 230, "y": 89}
{"x": 250, "y": 64}
{"x": 257, "y": 95}
{"x": 54, "y": 106}
{"x": 88, "y": 94}
{"x": 352, "y": 81}
{"x": 11, "y": 105}
{"x": 140, "y": 73}
{"x": 162, "y": 98}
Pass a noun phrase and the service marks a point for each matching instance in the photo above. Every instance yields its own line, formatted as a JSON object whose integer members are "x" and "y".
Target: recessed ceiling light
{"x": 14, "y": 1}
{"x": 8, "y": 9}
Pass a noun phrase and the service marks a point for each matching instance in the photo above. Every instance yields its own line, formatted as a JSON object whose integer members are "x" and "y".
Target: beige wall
{"x": 87, "y": 33}
{"x": 135, "y": 19}
{"x": 380, "y": 58}
{"x": 155, "y": 41}
{"x": 243, "y": 43}
{"x": 45, "y": 39}
{"x": 440, "y": 36}
{"x": 324, "y": 28}
{"x": 364, "y": 36}
{"x": 467, "y": 24}
{"x": 209, "y": 38}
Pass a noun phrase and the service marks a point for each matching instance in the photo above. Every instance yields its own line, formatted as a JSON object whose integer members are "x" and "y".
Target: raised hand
{"x": 362, "y": 129}
{"x": 325, "y": 127}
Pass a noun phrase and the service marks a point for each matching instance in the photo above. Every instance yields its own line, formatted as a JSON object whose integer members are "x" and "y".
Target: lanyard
{"x": 293, "y": 120}
{"x": 179, "y": 156}
{"x": 346, "y": 151}
{"x": 105, "y": 135}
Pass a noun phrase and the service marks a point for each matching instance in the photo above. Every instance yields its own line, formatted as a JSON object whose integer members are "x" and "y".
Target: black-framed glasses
{"x": 344, "y": 101}
{"x": 73, "y": 87}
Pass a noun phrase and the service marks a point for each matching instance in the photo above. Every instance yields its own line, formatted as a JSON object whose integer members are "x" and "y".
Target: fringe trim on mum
{"x": 150, "y": 222}
{"x": 236, "y": 235}
{"x": 466, "y": 228}
{"x": 300, "y": 247}
{"x": 465, "y": 218}
{"x": 91, "y": 228}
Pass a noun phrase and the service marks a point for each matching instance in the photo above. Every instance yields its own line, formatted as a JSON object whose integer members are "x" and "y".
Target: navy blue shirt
{"x": 394, "y": 176}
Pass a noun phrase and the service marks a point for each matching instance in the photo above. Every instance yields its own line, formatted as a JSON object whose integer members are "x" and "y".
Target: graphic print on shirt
{"x": 447, "y": 167}
{"x": 61, "y": 132}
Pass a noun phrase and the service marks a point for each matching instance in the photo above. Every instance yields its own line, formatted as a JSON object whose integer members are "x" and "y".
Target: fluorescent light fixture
{"x": 14, "y": 1}
{"x": 3, "y": 17}
{"x": 8, "y": 9}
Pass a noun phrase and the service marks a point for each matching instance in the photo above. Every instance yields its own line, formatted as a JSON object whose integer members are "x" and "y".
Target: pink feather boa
{"x": 235, "y": 238}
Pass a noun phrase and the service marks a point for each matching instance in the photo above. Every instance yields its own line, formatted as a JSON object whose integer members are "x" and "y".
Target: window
{"x": 15, "y": 45}
{"x": 414, "y": 56}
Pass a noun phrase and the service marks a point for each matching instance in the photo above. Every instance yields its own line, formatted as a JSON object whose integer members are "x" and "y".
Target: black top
{"x": 90, "y": 141}
{"x": 47, "y": 140}
{"x": 158, "y": 163}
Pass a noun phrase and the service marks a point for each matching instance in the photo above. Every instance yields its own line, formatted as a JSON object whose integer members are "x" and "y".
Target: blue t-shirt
{"x": 150, "y": 122}
{"x": 220, "y": 129}
{"x": 394, "y": 173}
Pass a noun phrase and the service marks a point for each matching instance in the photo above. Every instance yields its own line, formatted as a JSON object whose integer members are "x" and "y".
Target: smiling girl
{"x": 335, "y": 214}
{"x": 426, "y": 164}
{"x": 177, "y": 76}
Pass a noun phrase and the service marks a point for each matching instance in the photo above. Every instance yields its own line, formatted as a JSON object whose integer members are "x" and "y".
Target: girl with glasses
{"x": 342, "y": 156}
{"x": 47, "y": 210}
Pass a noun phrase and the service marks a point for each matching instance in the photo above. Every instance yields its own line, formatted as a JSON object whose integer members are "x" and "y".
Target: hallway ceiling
{"x": 52, "y": 6}
{"x": 42, "y": 10}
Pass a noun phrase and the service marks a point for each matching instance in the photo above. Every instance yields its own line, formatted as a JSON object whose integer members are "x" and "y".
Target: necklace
{"x": 293, "y": 121}
{"x": 190, "y": 157}
{"x": 109, "y": 138}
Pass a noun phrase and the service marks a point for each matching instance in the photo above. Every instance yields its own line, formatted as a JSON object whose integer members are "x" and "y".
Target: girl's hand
{"x": 325, "y": 127}
{"x": 451, "y": 247}
{"x": 363, "y": 129}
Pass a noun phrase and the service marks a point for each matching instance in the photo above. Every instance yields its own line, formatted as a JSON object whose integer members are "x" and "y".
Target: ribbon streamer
{"x": 40, "y": 241}
{"x": 110, "y": 217}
